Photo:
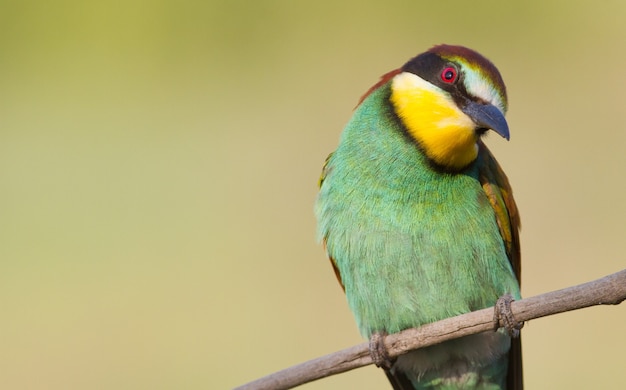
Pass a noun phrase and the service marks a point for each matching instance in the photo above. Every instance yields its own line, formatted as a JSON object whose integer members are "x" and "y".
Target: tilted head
{"x": 447, "y": 98}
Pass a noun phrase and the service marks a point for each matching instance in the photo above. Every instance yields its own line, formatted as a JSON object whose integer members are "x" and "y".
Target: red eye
{"x": 448, "y": 75}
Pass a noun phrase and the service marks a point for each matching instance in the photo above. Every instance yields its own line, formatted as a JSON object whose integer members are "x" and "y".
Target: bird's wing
{"x": 498, "y": 190}
{"x": 327, "y": 167}
{"x": 325, "y": 170}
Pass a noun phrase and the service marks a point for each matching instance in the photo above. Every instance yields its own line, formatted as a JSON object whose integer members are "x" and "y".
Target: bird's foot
{"x": 378, "y": 351}
{"x": 503, "y": 316}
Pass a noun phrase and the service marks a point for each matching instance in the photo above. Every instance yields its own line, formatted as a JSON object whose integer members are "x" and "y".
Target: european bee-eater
{"x": 418, "y": 218}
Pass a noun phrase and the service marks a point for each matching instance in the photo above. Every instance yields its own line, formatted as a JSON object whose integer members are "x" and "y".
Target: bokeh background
{"x": 158, "y": 169}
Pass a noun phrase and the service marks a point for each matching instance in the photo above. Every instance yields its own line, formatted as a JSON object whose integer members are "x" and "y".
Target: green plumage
{"x": 413, "y": 244}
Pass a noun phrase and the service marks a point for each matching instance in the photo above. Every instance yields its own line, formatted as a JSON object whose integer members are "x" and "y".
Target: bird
{"x": 419, "y": 221}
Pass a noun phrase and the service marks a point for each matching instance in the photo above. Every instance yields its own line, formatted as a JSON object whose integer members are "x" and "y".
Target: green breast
{"x": 412, "y": 244}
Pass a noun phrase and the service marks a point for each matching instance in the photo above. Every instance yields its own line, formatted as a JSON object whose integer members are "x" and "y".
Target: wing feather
{"x": 325, "y": 170}
{"x": 498, "y": 190}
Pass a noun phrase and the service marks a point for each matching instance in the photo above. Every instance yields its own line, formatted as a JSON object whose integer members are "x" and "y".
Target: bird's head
{"x": 447, "y": 98}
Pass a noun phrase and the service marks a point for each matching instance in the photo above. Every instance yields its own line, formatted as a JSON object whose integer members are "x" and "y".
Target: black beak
{"x": 487, "y": 116}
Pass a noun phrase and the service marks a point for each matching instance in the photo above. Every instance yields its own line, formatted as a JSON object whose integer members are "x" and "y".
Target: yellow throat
{"x": 445, "y": 133}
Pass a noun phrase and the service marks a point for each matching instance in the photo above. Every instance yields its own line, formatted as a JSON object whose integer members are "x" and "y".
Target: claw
{"x": 378, "y": 351}
{"x": 503, "y": 316}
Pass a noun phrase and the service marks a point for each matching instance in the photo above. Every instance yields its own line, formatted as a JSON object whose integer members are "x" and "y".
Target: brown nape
{"x": 383, "y": 80}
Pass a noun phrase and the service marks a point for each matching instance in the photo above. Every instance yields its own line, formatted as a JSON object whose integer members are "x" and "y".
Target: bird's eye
{"x": 448, "y": 75}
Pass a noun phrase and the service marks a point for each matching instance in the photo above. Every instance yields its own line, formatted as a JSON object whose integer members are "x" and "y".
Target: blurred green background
{"x": 158, "y": 169}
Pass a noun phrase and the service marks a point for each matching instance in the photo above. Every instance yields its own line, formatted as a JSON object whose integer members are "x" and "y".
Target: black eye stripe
{"x": 430, "y": 67}
{"x": 433, "y": 69}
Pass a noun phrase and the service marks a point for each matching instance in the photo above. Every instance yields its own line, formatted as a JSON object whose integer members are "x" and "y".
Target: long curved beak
{"x": 487, "y": 116}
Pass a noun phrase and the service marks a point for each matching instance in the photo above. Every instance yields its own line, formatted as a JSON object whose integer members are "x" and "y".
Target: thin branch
{"x": 609, "y": 290}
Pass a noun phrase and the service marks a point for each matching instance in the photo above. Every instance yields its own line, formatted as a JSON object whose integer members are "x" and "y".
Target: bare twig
{"x": 609, "y": 290}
